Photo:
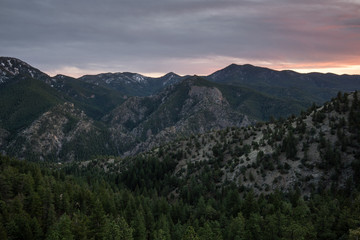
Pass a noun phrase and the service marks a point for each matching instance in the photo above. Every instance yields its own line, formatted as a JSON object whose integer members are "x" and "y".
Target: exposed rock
{"x": 52, "y": 130}
{"x": 191, "y": 108}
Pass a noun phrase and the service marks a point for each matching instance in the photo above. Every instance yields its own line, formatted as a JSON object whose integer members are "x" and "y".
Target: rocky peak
{"x": 10, "y": 67}
{"x": 170, "y": 78}
{"x": 208, "y": 94}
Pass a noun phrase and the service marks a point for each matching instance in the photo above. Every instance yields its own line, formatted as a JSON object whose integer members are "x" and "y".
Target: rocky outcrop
{"x": 182, "y": 110}
{"x": 52, "y": 130}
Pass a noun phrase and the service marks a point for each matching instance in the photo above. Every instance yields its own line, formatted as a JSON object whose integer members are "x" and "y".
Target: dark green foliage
{"x": 95, "y": 100}
{"x": 150, "y": 172}
{"x": 22, "y": 100}
{"x": 79, "y": 207}
{"x": 88, "y": 144}
{"x": 257, "y": 104}
{"x": 289, "y": 145}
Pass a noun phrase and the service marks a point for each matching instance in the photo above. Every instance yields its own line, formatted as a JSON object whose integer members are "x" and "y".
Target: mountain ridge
{"x": 316, "y": 151}
{"x": 156, "y": 110}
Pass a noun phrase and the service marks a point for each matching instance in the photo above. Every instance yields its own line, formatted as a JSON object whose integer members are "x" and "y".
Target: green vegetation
{"x": 43, "y": 202}
{"x": 256, "y": 104}
{"x": 96, "y": 101}
{"x": 22, "y": 101}
{"x": 294, "y": 178}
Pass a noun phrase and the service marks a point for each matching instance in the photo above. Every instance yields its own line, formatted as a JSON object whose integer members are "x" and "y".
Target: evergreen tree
{"x": 190, "y": 234}
{"x": 236, "y": 228}
{"x": 61, "y": 230}
{"x": 138, "y": 224}
{"x": 97, "y": 220}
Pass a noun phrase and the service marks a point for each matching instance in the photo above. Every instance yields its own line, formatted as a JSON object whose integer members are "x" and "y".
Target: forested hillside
{"x": 317, "y": 150}
{"x": 42, "y": 202}
{"x": 209, "y": 186}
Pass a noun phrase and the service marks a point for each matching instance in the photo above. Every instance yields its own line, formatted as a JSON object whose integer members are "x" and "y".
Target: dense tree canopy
{"x": 38, "y": 202}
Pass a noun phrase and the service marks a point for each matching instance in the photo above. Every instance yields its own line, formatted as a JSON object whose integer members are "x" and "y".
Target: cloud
{"x": 182, "y": 36}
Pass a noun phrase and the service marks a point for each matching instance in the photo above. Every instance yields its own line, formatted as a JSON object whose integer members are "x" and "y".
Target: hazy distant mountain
{"x": 132, "y": 84}
{"x": 307, "y": 88}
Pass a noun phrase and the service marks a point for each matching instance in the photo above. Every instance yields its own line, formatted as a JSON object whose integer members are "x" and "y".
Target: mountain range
{"x": 318, "y": 149}
{"x": 244, "y": 153}
{"x": 127, "y": 113}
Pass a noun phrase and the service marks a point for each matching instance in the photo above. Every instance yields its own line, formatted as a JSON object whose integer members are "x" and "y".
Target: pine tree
{"x": 354, "y": 234}
{"x": 97, "y": 221}
{"x": 236, "y": 228}
{"x": 61, "y": 230}
{"x": 190, "y": 234}
{"x": 138, "y": 224}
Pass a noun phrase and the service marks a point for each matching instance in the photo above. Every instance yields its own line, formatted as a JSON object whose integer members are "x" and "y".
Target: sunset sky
{"x": 77, "y": 37}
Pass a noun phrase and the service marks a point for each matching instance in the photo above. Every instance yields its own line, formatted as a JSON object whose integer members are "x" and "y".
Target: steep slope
{"x": 316, "y": 151}
{"x": 193, "y": 106}
{"x": 23, "y": 99}
{"x": 319, "y": 149}
{"x": 182, "y": 109}
{"x": 95, "y": 100}
{"x": 11, "y": 67}
{"x": 307, "y": 88}
{"x": 62, "y": 133}
{"x": 31, "y": 126}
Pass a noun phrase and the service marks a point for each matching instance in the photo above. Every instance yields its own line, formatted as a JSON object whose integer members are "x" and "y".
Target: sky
{"x": 153, "y": 37}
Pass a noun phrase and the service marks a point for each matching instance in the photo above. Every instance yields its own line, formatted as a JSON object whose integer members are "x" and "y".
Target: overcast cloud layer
{"x": 75, "y": 37}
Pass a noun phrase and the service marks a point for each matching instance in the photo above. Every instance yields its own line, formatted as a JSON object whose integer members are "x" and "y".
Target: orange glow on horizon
{"x": 324, "y": 67}
{"x": 210, "y": 65}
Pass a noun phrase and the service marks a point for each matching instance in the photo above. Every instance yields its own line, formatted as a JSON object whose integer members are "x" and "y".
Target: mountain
{"x": 23, "y": 99}
{"x": 182, "y": 109}
{"x": 166, "y": 108}
{"x": 290, "y": 179}
{"x": 306, "y": 88}
{"x": 316, "y": 151}
{"x": 28, "y": 99}
{"x": 132, "y": 84}
{"x": 12, "y": 67}
{"x": 63, "y": 132}
{"x": 192, "y": 106}
{"x": 214, "y": 170}
{"x": 95, "y": 100}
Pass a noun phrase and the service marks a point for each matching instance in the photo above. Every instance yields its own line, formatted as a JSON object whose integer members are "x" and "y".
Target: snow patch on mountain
{"x": 139, "y": 78}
